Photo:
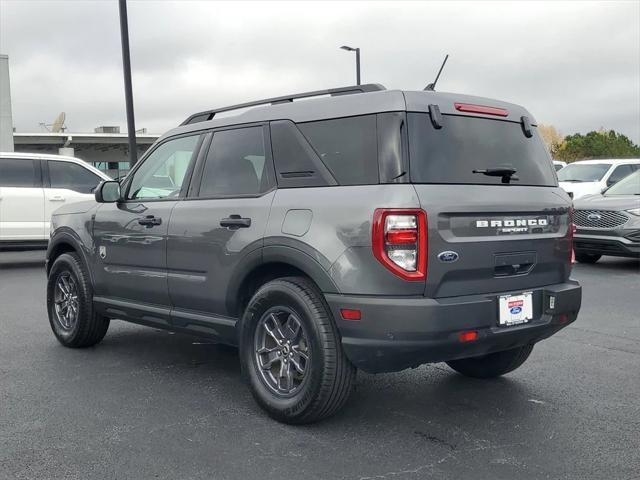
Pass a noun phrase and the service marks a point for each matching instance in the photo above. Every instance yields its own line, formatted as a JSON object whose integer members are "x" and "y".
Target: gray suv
{"x": 363, "y": 229}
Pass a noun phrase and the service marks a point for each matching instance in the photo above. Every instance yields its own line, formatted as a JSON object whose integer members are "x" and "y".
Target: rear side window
{"x": 464, "y": 144}
{"x": 18, "y": 173}
{"x": 347, "y": 146}
{"x": 72, "y": 177}
{"x": 235, "y": 164}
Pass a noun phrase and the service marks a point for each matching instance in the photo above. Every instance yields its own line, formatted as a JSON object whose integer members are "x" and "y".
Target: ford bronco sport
{"x": 366, "y": 229}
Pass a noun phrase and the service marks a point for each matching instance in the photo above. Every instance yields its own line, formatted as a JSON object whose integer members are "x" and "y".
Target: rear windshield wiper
{"x": 506, "y": 173}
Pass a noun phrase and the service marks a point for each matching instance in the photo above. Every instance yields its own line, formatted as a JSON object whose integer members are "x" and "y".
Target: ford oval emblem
{"x": 515, "y": 310}
{"x": 448, "y": 256}
{"x": 594, "y": 217}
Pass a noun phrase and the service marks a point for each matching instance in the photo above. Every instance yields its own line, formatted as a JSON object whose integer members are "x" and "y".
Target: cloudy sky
{"x": 575, "y": 65}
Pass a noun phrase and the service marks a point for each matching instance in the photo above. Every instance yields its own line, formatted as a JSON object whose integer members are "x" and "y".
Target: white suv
{"x": 587, "y": 177}
{"x": 32, "y": 186}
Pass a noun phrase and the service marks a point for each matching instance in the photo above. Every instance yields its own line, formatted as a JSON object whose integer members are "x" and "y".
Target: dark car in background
{"x": 608, "y": 223}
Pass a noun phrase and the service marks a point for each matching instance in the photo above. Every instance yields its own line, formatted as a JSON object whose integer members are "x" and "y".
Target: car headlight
{"x": 635, "y": 211}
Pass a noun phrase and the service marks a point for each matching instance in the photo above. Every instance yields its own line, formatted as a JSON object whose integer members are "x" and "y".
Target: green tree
{"x": 601, "y": 144}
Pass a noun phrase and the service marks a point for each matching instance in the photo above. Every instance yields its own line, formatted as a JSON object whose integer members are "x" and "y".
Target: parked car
{"x": 32, "y": 186}
{"x": 365, "y": 229}
{"x": 558, "y": 165}
{"x": 609, "y": 223}
{"x": 592, "y": 176}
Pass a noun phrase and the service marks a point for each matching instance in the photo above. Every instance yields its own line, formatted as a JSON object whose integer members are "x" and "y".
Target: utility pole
{"x": 128, "y": 90}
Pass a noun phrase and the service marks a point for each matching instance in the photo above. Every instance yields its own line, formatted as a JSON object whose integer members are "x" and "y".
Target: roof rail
{"x": 209, "y": 114}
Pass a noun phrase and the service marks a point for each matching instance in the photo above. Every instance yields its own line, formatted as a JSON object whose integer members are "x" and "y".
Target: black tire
{"x": 328, "y": 376}
{"x": 587, "y": 257}
{"x": 493, "y": 364}
{"x": 88, "y": 328}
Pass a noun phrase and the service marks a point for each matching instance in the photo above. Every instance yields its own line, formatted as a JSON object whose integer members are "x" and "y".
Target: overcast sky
{"x": 575, "y": 65}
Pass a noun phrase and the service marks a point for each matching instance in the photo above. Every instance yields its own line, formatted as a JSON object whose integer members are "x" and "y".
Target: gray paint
{"x": 297, "y": 222}
{"x": 186, "y": 273}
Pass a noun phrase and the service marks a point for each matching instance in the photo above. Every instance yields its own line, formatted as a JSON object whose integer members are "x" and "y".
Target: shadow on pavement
{"x": 29, "y": 259}
{"x": 613, "y": 264}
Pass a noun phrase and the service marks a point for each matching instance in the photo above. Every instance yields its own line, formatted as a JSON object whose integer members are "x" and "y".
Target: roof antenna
{"x": 432, "y": 86}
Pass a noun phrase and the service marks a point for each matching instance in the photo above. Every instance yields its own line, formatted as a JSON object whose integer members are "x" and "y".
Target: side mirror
{"x": 108, "y": 192}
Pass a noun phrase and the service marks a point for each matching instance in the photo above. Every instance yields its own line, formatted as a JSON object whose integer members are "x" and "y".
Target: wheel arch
{"x": 275, "y": 262}
{"x": 65, "y": 242}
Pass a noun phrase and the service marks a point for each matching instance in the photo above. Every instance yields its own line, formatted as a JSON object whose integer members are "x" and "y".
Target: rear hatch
{"x": 502, "y": 228}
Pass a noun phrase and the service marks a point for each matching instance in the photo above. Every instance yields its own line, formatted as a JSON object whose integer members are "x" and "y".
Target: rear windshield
{"x": 464, "y": 144}
{"x": 584, "y": 172}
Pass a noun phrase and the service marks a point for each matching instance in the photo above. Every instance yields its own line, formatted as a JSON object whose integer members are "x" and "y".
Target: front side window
{"x": 18, "y": 173}
{"x": 72, "y": 177}
{"x": 163, "y": 171}
{"x": 347, "y": 146}
{"x": 235, "y": 164}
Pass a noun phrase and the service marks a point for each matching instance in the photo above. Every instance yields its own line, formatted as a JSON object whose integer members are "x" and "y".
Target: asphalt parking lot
{"x": 149, "y": 404}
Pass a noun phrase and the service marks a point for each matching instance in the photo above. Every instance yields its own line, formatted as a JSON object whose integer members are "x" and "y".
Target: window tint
{"x": 18, "y": 173}
{"x": 235, "y": 164}
{"x": 73, "y": 177}
{"x": 347, "y": 146}
{"x": 464, "y": 144}
{"x": 163, "y": 171}
{"x": 619, "y": 173}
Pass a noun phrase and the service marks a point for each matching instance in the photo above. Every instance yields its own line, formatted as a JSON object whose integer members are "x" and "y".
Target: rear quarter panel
{"x": 332, "y": 225}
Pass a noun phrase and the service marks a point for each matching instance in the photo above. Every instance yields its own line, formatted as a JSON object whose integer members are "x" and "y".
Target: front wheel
{"x": 291, "y": 354}
{"x": 493, "y": 364}
{"x": 70, "y": 304}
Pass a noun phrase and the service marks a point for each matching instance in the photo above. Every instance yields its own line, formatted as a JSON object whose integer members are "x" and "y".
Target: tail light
{"x": 400, "y": 241}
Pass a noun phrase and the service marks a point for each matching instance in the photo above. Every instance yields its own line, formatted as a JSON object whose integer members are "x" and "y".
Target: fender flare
{"x": 68, "y": 236}
{"x": 284, "y": 255}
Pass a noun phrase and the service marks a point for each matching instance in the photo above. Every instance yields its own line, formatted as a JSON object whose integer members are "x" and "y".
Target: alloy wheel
{"x": 66, "y": 304}
{"x": 282, "y": 351}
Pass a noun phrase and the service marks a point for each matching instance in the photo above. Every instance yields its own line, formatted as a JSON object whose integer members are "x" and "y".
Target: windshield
{"x": 629, "y": 185}
{"x": 464, "y": 144}
{"x": 583, "y": 172}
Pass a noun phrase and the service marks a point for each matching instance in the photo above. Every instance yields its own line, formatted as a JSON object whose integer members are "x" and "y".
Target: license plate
{"x": 515, "y": 309}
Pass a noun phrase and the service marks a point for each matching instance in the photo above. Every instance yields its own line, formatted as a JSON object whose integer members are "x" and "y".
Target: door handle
{"x": 57, "y": 198}
{"x": 149, "y": 221}
{"x": 235, "y": 221}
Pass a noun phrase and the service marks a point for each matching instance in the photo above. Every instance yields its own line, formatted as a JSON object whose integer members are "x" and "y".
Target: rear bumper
{"x": 395, "y": 333}
{"x": 607, "y": 244}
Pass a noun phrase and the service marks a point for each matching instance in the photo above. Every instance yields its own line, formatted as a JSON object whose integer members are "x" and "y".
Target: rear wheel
{"x": 291, "y": 354}
{"x": 69, "y": 304}
{"x": 493, "y": 364}
{"x": 587, "y": 257}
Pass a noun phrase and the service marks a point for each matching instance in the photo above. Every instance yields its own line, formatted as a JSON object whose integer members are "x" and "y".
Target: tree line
{"x": 596, "y": 144}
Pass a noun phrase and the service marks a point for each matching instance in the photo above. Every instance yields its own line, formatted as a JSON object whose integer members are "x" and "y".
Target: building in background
{"x": 106, "y": 148}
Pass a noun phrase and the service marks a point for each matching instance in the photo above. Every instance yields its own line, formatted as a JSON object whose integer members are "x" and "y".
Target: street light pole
{"x": 357, "y": 50}
{"x": 128, "y": 90}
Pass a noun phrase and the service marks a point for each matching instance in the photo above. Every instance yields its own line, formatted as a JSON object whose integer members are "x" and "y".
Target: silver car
{"x": 608, "y": 223}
